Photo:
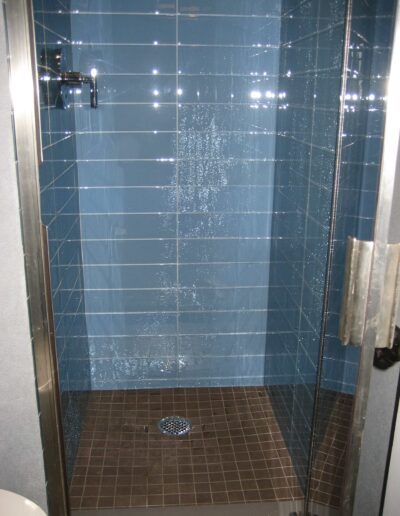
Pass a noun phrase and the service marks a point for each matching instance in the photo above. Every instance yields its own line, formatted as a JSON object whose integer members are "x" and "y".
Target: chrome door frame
{"x": 18, "y": 16}
{"x": 390, "y": 157}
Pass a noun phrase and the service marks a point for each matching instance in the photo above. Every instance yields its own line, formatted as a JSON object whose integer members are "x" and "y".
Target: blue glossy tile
{"x": 70, "y": 302}
{"x": 66, "y": 200}
{"x": 140, "y": 88}
{"x": 236, "y": 7}
{"x": 119, "y": 200}
{"x": 299, "y": 60}
{"x": 193, "y": 299}
{"x": 301, "y": 22}
{"x": 228, "y": 90}
{"x": 219, "y": 368}
{"x": 227, "y": 60}
{"x": 330, "y": 47}
{"x": 126, "y": 173}
{"x": 68, "y": 252}
{"x": 56, "y": 30}
{"x": 49, "y": 5}
{"x": 131, "y": 324}
{"x": 101, "y": 28}
{"x": 60, "y": 122}
{"x": 127, "y": 373}
{"x": 226, "y": 146}
{"x": 325, "y": 129}
{"x": 365, "y": 229}
{"x": 74, "y": 325}
{"x": 331, "y": 13}
{"x": 209, "y": 172}
{"x": 224, "y": 275}
{"x": 323, "y": 167}
{"x": 228, "y": 30}
{"x": 123, "y": 6}
{"x": 65, "y": 148}
{"x": 228, "y": 381}
{"x": 119, "y": 59}
{"x": 121, "y": 146}
{"x": 222, "y": 345}
{"x": 37, "y": 6}
{"x": 285, "y": 298}
{"x": 378, "y": 33}
{"x": 225, "y": 199}
{"x": 133, "y": 347}
{"x": 224, "y": 225}
{"x": 373, "y": 9}
{"x": 134, "y": 276}
{"x": 126, "y": 117}
{"x": 255, "y": 117}
{"x": 221, "y": 250}
{"x": 65, "y": 176}
{"x": 281, "y": 373}
{"x": 127, "y": 252}
{"x": 283, "y": 320}
{"x": 47, "y": 199}
{"x": 97, "y": 301}
{"x": 65, "y": 226}
{"x": 368, "y": 203}
{"x": 127, "y": 226}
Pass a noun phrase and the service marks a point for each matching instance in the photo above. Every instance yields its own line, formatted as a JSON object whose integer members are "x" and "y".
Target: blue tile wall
{"x": 311, "y": 57}
{"x": 368, "y": 69}
{"x": 59, "y": 197}
{"x": 176, "y": 181}
{"x": 189, "y": 214}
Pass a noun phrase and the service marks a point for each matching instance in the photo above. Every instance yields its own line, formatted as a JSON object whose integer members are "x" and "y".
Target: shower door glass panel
{"x": 371, "y": 33}
{"x": 311, "y": 60}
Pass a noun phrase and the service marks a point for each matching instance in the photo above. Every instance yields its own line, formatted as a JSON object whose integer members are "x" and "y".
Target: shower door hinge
{"x": 356, "y": 291}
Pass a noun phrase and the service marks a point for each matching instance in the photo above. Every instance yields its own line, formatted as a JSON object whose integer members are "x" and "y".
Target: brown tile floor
{"x": 235, "y": 452}
{"x": 334, "y": 418}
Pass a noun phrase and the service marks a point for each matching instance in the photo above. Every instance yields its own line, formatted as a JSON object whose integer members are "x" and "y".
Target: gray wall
{"x": 21, "y": 455}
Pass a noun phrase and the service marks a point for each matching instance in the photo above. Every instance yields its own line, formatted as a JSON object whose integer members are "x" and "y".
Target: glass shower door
{"x": 364, "y": 189}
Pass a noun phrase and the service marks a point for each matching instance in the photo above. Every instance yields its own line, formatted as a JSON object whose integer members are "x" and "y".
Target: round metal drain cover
{"x": 174, "y": 425}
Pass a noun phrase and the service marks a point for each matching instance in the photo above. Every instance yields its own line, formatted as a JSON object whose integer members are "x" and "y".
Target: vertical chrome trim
{"x": 26, "y": 128}
{"x": 331, "y": 248}
{"x": 379, "y": 265}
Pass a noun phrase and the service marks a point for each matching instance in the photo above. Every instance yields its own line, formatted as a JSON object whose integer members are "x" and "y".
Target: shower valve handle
{"x": 77, "y": 79}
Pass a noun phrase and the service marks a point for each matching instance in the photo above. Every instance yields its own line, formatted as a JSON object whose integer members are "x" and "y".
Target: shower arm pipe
{"x": 77, "y": 79}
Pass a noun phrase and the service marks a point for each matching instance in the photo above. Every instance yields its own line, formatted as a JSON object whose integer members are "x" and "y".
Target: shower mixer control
{"x": 52, "y": 79}
{"x": 78, "y": 79}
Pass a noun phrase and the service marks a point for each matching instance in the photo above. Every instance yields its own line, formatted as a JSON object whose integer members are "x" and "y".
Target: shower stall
{"x": 204, "y": 162}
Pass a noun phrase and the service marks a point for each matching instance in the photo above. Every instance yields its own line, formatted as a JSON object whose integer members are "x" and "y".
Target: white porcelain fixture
{"x": 12, "y": 504}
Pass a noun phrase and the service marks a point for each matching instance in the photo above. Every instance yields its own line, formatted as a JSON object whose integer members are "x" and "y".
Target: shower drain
{"x": 174, "y": 425}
